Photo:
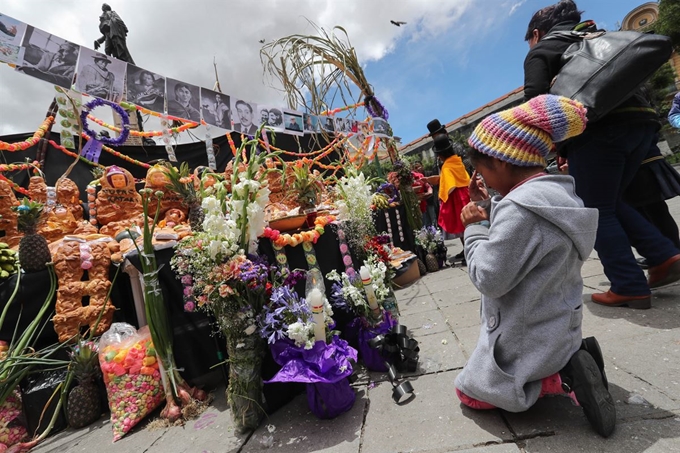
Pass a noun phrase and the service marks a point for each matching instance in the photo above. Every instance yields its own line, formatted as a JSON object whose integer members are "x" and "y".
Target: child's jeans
{"x": 551, "y": 385}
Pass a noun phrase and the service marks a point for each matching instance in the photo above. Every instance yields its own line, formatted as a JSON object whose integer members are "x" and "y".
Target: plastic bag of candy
{"x": 130, "y": 369}
{"x": 12, "y": 425}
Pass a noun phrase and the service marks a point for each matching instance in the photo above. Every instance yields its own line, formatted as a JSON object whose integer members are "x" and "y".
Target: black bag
{"x": 603, "y": 69}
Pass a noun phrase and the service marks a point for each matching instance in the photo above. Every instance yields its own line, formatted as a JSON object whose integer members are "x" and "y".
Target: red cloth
{"x": 551, "y": 385}
{"x": 449, "y": 212}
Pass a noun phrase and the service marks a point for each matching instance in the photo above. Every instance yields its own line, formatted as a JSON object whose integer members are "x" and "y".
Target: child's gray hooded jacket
{"x": 527, "y": 266}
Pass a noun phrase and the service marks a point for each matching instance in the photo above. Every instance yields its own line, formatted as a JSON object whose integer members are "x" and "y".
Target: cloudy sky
{"x": 451, "y": 57}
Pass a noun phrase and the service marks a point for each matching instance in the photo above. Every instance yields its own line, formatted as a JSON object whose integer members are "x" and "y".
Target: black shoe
{"x": 583, "y": 376}
{"x": 642, "y": 262}
{"x": 591, "y": 345}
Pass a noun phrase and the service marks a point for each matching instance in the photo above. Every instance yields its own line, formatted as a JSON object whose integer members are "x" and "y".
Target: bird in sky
{"x": 397, "y": 23}
{"x": 261, "y": 41}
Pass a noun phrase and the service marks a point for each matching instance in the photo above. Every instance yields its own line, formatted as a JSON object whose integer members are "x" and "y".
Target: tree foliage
{"x": 668, "y": 22}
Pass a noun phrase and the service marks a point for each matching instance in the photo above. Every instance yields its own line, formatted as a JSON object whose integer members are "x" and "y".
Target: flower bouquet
{"x": 354, "y": 210}
{"x": 364, "y": 295}
{"x": 223, "y": 276}
{"x": 431, "y": 243}
{"x": 308, "y": 351}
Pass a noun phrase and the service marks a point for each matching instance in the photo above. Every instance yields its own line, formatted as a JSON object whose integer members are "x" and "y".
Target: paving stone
{"x": 424, "y": 323}
{"x": 451, "y": 284}
{"x": 99, "y": 437}
{"x": 298, "y": 430}
{"x": 212, "y": 431}
{"x": 462, "y": 315}
{"x": 649, "y": 436}
{"x": 430, "y": 422}
{"x": 592, "y": 267}
{"x": 499, "y": 448}
{"x": 655, "y": 358}
{"x": 458, "y": 293}
{"x": 467, "y": 338}
{"x": 416, "y": 289}
{"x": 416, "y": 305}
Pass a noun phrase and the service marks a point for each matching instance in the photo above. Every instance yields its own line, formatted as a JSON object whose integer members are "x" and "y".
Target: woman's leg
{"x": 603, "y": 164}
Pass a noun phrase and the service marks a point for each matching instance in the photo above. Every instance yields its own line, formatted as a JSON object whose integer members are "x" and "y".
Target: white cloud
{"x": 515, "y": 6}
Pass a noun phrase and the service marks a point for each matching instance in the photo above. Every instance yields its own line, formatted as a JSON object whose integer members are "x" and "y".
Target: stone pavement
{"x": 642, "y": 354}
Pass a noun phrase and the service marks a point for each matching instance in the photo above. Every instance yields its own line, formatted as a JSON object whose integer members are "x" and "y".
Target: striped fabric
{"x": 525, "y": 135}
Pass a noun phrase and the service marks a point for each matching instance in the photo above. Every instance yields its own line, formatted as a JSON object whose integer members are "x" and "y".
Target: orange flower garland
{"x": 23, "y": 146}
{"x": 171, "y": 130}
{"x": 283, "y": 239}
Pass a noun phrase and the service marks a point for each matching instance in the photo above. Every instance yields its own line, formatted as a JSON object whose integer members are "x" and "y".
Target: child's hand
{"x": 472, "y": 213}
{"x": 477, "y": 188}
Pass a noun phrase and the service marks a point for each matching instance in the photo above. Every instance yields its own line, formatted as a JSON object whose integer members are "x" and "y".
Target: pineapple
{"x": 431, "y": 263}
{"x": 182, "y": 184}
{"x": 33, "y": 251}
{"x": 421, "y": 267}
{"x": 83, "y": 406}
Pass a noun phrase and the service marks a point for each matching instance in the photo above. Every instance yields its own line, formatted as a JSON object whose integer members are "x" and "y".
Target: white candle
{"x": 368, "y": 287}
{"x": 316, "y": 305}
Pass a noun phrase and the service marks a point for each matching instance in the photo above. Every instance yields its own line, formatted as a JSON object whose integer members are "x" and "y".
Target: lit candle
{"x": 368, "y": 287}
{"x": 316, "y": 305}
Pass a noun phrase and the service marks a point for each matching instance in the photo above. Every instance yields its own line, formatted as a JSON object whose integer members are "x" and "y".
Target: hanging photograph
{"x": 327, "y": 124}
{"x": 293, "y": 122}
{"x": 100, "y": 76}
{"x": 215, "y": 108}
{"x": 183, "y": 100}
{"x": 274, "y": 117}
{"x": 381, "y": 128}
{"x": 244, "y": 116}
{"x": 48, "y": 57}
{"x": 311, "y": 123}
{"x": 11, "y": 30}
{"x": 145, "y": 88}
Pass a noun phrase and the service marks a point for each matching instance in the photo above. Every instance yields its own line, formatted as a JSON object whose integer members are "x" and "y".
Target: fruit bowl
{"x": 288, "y": 223}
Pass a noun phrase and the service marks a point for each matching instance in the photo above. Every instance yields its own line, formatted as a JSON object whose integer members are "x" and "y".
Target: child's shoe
{"x": 591, "y": 345}
{"x": 583, "y": 377}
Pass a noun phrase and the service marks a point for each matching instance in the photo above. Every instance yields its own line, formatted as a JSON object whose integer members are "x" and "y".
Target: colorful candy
{"x": 12, "y": 430}
{"x": 133, "y": 383}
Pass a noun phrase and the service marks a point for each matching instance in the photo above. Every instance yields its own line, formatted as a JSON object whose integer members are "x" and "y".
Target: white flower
{"x": 300, "y": 333}
{"x": 250, "y": 330}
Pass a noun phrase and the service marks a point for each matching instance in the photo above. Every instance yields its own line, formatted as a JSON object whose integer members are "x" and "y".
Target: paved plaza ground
{"x": 642, "y": 355}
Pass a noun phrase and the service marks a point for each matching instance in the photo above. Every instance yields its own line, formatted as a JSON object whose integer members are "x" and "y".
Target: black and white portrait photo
{"x": 380, "y": 127}
{"x": 310, "y": 123}
{"x": 145, "y": 88}
{"x": 48, "y": 57}
{"x": 243, "y": 116}
{"x": 183, "y": 100}
{"x": 275, "y": 118}
{"x": 327, "y": 124}
{"x": 100, "y": 76}
{"x": 293, "y": 122}
{"x": 215, "y": 108}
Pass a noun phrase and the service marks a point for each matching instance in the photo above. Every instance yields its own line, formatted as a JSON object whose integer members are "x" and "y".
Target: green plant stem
{"x": 11, "y": 298}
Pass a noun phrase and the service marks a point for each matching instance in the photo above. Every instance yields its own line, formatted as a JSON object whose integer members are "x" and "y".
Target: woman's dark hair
{"x": 456, "y": 149}
{"x": 546, "y": 18}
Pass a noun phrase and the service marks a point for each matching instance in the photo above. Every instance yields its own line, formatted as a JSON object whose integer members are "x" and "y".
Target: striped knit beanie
{"x": 526, "y": 134}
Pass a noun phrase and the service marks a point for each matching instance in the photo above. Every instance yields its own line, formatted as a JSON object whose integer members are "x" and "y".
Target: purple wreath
{"x": 124, "y": 118}
{"x": 382, "y": 111}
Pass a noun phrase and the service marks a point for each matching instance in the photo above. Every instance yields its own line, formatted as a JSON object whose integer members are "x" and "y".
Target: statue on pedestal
{"x": 114, "y": 35}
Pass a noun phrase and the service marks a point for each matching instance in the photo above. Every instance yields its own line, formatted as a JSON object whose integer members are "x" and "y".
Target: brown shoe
{"x": 665, "y": 273}
{"x": 611, "y": 299}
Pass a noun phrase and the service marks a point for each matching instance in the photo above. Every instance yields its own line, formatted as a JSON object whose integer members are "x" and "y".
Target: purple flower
{"x": 294, "y": 278}
{"x": 189, "y": 306}
{"x": 285, "y": 307}
{"x": 188, "y": 290}
{"x": 186, "y": 279}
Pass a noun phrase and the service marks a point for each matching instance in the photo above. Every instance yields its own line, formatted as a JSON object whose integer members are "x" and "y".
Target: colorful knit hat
{"x": 526, "y": 134}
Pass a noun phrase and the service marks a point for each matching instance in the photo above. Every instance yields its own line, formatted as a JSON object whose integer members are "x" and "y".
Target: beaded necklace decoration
{"x": 344, "y": 251}
{"x": 310, "y": 256}
{"x": 401, "y": 231}
{"x": 389, "y": 225}
{"x": 281, "y": 258}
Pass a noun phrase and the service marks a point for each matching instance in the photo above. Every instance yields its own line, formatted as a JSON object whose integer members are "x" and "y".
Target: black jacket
{"x": 543, "y": 63}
